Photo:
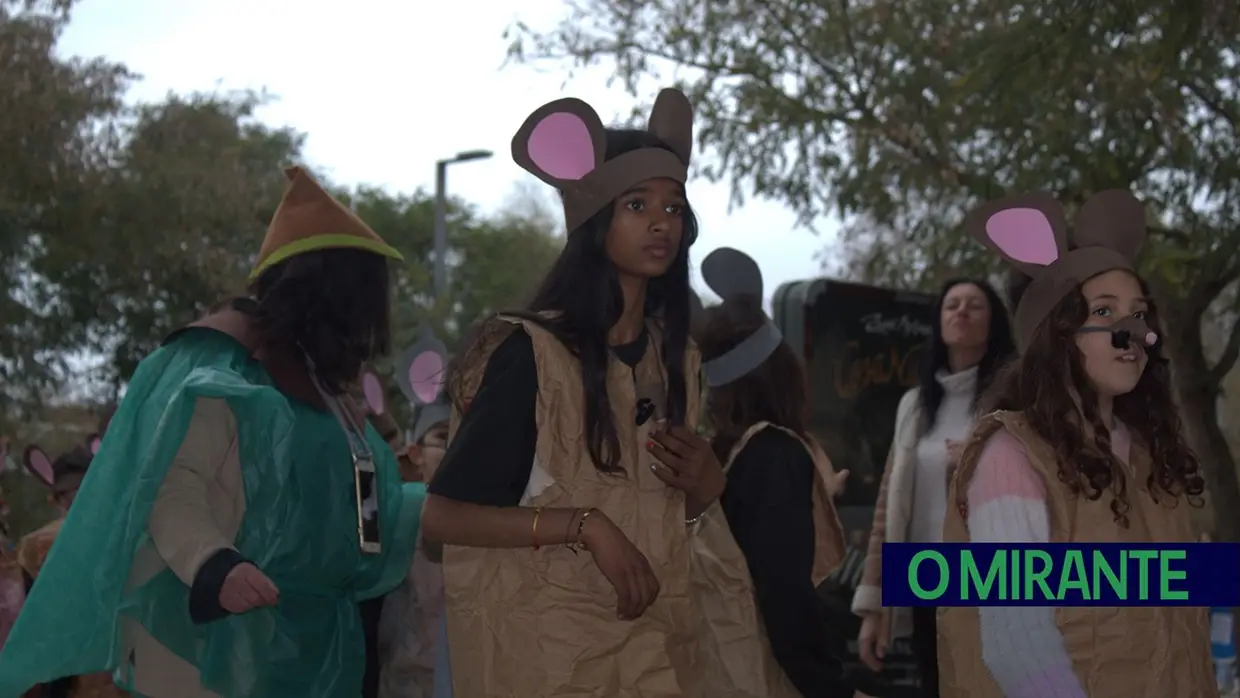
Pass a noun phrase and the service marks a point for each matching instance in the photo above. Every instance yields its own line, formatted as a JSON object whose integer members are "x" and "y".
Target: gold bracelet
{"x": 581, "y": 524}
{"x": 534, "y": 527}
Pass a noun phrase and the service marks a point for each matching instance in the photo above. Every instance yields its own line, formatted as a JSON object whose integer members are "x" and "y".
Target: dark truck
{"x": 862, "y": 347}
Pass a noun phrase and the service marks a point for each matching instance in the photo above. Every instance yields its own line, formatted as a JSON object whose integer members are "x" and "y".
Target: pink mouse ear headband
{"x": 372, "y": 390}
{"x": 39, "y": 464}
{"x": 564, "y": 144}
{"x": 1030, "y": 232}
{"x": 421, "y": 370}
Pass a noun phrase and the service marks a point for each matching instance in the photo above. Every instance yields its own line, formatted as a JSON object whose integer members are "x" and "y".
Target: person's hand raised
{"x": 622, "y": 564}
{"x": 687, "y": 462}
{"x": 245, "y": 589}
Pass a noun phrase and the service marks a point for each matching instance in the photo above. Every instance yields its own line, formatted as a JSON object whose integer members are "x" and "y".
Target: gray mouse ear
{"x": 421, "y": 368}
{"x": 731, "y": 273}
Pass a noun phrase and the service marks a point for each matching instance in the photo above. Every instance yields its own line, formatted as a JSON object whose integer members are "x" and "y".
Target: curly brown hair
{"x": 1034, "y": 385}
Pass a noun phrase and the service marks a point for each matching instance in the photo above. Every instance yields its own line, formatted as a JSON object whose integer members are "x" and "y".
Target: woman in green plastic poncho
{"x": 239, "y": 508}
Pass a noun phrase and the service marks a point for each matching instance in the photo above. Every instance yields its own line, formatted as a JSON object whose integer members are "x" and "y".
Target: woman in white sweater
{"x": 971, "y": 339}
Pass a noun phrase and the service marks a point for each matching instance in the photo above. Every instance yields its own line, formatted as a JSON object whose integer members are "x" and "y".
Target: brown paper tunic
{"x": 527, "y": 623}
{"x": 1135, "y": 652}
{"x": 734, "y": 649}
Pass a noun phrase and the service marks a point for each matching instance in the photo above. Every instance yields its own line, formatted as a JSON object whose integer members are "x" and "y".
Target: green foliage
{"x": 53, "y": 137}
{"x": 903, "y": 115}
{"x": 119, "y": 224}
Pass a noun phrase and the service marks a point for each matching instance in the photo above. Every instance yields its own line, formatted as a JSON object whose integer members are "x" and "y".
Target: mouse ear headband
{"x": 564, "y": 144}
{"x": 732, "y": 274}
{"x": 1029, "y": 231}
{"x": 373, "y": 392}
{"x": 421, "y": 370}
{"x": 38, "y": 464}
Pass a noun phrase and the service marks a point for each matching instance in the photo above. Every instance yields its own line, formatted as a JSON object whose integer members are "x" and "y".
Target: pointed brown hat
{"x": 310, "y": 219}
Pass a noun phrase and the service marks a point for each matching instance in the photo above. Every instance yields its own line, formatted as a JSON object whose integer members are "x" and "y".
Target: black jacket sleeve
{"x": 769, "y": 507}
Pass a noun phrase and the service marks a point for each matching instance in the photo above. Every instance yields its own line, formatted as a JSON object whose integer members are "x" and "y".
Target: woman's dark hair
{"x": 583, "y": 290}
{"x": 332, "y": 303}
{"x": 999, "y": 349}
{"x": 1036, "y": 385}
{"x": 775, "y": 392}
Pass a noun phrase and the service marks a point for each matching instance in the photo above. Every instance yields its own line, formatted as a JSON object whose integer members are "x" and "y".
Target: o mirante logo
{"x": 1061, "y": 574}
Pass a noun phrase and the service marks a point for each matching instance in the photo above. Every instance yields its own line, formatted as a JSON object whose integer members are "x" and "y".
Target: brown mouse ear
{"x": 372, "y": 389}
{"x": 1027, "y": 230}
{"x": 39, "y": 465}
{"x": 671, "y": 119}
{"x": 1113, "y": 219}
{"x": 561, "y": 142}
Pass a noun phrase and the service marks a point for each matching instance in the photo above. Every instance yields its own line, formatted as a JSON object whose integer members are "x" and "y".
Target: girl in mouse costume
{"x": 413, "y": 615}
{"x": 240, "y": 507}
{"x": 566, "y": 550}
{"x": 778, "y": 490}
{"x": 1085, "y": 445}
{"x": 62, "y": 477}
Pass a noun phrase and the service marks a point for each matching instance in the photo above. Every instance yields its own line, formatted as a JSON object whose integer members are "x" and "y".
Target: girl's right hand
{"x": 872, "y": 641}
{"x": 622, "y": 564}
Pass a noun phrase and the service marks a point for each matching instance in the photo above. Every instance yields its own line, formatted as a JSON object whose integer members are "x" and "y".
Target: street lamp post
{"x": 441, "y": 214}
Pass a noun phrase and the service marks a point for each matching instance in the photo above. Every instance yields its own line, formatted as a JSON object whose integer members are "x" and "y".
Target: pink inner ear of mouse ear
{"x": 40, "y": 465}
{"x": 562, "y": 146}
{"x": 93, "y": 444}
{"x": 426, "y": 373}
{"x": 1023, "y": 235}
{"x": 373, "y": 390}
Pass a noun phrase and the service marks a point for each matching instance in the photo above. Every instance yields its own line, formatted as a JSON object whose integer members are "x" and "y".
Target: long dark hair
{"x": 582, "y": 289}
{"x": 775, "y": 392}
{"x": 1036, "y": 385}
{"x": 332, "y": 303}
{"x": 999, "y": 349}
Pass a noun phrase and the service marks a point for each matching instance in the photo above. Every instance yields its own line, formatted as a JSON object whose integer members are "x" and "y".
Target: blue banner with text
{"x": 1061, "y": 574}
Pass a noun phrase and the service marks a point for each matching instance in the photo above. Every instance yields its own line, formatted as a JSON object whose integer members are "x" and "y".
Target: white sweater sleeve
{"x": 1021, "y": 646}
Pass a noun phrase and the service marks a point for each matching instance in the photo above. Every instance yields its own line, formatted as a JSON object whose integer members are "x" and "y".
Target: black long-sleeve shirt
{"x": 769, "y": 505}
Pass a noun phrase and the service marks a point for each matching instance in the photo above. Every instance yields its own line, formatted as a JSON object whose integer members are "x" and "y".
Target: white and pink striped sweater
{"x": 1022, "y": 647}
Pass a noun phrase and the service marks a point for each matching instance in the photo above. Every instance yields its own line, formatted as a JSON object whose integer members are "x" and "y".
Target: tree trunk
{"x": 1197, "y": 390}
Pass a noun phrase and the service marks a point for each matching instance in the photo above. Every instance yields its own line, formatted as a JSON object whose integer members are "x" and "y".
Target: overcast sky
{"x": 384, "y": 88}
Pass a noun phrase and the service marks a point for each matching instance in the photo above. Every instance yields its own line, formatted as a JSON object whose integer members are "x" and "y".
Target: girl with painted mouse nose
{"x": 1083, "y": 445}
